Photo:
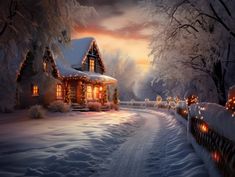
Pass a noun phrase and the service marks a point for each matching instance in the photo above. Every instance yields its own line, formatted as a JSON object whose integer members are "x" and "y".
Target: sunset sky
{"x": 121, "y": 25}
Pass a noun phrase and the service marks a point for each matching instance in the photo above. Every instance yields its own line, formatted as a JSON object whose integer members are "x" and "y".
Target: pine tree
{"x": 67, "y": 94}
{"x": 115, "y": 96}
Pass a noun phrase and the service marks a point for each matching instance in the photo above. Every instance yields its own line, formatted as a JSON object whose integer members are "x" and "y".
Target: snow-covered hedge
{"x": 110, "y": 105}
{"x": 59, "y": 106}
{"x": 94, "y": 106}
{"x": 115, "y": 107}
{"x": 36, "y": 112}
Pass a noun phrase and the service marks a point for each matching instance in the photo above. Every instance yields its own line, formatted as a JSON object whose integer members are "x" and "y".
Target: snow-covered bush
{"x": 59, "y": 106}
{"x": 115, "y": 107}
{"x": 111, "y": 105}
{"x": 94, "y": 106}
{"x": 108, "y": 105}
{"x": 36, "y": 112}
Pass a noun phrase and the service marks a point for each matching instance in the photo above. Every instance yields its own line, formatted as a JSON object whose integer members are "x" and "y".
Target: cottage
{"x": 76, "y": 75}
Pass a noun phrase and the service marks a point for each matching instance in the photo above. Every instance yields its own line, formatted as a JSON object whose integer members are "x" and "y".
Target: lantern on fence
{"x": 203, "y": 127}
{"x": 216, "y": 156}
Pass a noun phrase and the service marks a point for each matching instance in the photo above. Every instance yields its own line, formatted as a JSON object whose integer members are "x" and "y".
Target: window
{"x": 35, "y": 90}
{"x": 96, "y": 93}
{"x": 44, "y": 66}
{"x": 59, "y": 91}
{"x": 89, "y": 92}
{"x": 92, "y": 65}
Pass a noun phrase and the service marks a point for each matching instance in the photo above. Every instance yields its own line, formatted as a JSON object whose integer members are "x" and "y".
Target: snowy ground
{"x": 128, "y": 143}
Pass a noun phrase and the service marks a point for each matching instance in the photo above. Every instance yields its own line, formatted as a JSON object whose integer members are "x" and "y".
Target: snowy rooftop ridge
{"x": 75, "y": 52}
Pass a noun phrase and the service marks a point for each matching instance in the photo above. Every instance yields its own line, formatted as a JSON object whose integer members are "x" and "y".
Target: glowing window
{"x": 96, "y": 93}
{"x": 35, "y": 90}
{"x": 44, "y": 66}
{"x": 59, "y": 91}
{"x": 89, "y": 92}
{"x": 92, "y": 65}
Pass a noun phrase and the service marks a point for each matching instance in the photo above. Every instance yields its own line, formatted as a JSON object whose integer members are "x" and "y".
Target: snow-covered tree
{"x": 193, "y": 39}
{"x": 28, "y": 25}
{"x": 123, "y": 68}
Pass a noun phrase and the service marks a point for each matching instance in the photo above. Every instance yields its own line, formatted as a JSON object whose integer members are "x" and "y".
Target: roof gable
{"x": 74, "y": 55}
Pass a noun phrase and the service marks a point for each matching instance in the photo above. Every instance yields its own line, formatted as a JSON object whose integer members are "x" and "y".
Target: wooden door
{"x": 73, "y": 93}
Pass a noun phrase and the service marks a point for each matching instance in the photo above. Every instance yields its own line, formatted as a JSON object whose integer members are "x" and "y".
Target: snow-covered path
{"x": 129, "y": 160}
{"x": 128, "y": 143}
{"x": 158, "y": 148}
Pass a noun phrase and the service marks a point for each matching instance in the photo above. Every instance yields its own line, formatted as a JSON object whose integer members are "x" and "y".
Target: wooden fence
{"x": 220, "y": 148}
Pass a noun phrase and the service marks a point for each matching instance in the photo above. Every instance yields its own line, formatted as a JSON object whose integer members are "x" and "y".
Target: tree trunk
{"x": 218, "y": 78}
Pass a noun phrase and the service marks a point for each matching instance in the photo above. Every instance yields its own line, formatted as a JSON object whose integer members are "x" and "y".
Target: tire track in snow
{"x": 129, "y": 160}
{"x": 158, "y": 149}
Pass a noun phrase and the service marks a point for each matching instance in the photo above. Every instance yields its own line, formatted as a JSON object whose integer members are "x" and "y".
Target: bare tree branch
{"x": 225, "y": 7}
{"x": 3, "y": 29}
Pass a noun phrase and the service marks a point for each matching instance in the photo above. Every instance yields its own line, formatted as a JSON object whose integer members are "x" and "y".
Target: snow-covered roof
{"x": 72, "y": 58}
{"x": 97, "y": 77}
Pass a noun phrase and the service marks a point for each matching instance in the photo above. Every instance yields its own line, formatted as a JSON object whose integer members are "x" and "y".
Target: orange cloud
{"x": 131, "y": 31}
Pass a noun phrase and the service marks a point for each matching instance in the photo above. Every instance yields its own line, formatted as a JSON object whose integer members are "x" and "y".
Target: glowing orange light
{"x": 204, "y": 128}
{"x": 35, "y": 90}
{"x": 101, "y": 88}
{"x": 215, "y": 156}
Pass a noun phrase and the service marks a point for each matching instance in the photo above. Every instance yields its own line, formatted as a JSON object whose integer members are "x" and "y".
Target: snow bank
{"x": 205, "y": 156}
{"x": 69, "y": 144}
{"x": 172, "y": 154}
